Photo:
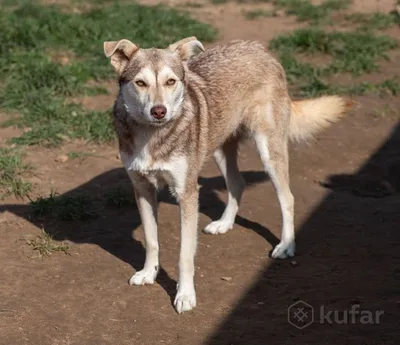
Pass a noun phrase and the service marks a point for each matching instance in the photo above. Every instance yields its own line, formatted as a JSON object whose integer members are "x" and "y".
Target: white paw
{"x": 185, "y": 300}
{"x": 218, "y": 227}
{"x": 145, "y": 276}
{"x": 284, "y": 250}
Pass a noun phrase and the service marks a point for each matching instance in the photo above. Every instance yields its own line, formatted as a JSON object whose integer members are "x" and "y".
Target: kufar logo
{"x": 300, "y": 314}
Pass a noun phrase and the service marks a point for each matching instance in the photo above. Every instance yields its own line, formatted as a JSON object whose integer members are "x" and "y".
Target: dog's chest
{"x": 140, "y": 161}
{"x": 171, "y": 171}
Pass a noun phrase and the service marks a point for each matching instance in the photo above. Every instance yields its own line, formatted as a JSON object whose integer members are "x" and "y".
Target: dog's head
{"x": 152, "y": 81}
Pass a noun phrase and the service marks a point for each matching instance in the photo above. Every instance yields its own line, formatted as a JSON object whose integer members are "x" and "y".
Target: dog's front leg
{"x": 186, "y": 296}
{"x": 146, "y": 199}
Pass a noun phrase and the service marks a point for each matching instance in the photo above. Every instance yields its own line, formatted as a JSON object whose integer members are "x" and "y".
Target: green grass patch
{"x": 254, "y": 14}
{"x": 40, "y": 89}
{"x": 79, "y": 207}
{"x": 304, "y": 10}
{"x": 317, "y": 87}
{"x": 386, "y": 111}
{"x": 66, "y": 208}
{"x": 354, "y": 52}
{"x": 119, "y": 197}
{"x": 12, "y": 170}
{"x": 79, "y": 155}
{"x": 374, "y": 21}
{"x": 45, "y": 245}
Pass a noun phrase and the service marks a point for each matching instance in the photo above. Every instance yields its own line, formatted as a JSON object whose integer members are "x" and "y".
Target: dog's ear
{"x": 186, "y": 47}
{"x": 120, "y": 53}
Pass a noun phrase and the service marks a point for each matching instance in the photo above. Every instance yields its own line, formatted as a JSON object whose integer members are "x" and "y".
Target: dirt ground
{"x": 346, "y": 186}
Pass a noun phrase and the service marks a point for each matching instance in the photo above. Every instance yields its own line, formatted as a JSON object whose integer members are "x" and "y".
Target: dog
{"x": 178, "y": 106}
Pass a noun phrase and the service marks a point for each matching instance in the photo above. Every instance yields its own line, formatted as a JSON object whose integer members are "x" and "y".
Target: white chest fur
{"x": 171, "y": 171}
{"x": 140, "y": 161}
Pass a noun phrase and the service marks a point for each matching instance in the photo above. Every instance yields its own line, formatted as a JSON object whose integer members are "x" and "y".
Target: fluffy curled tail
{"x": 313, "y": 115}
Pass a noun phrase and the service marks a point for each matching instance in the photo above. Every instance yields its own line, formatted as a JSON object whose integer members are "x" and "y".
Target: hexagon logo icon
{"x": 300, "y": 314}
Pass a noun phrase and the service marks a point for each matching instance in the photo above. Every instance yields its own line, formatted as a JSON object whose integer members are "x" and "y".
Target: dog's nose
{"x": 158, "y": 111}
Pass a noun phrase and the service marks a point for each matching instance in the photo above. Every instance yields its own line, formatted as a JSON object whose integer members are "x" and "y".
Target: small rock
{"x": 227, "y": 279}
{"x": 62, "y": 159}
{"x": 388, "y": 187}
{"x": 118, "y": 156}
{"x": 293, "y": 263}
{"x": 279, "y": 13}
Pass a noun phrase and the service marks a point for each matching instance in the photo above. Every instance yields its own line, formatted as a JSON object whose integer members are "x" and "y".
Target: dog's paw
{"x": 145, "y": 276}
{"x": 218, "y": 227}
{"x": 284, "y": 250}
{"x": 185, "y": 300}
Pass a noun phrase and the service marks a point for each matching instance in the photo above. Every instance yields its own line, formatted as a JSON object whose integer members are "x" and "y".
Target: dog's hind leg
{"x": 273, "y": 151}
{"x": 226, "y": 159}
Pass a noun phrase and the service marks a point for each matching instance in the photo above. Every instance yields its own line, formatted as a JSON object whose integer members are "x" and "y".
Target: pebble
{"x": 62, "y": 159}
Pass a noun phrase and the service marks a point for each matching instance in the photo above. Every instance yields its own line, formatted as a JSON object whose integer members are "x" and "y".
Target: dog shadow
{"x": 112, "y": 227}
{"x": 348, "y": 256}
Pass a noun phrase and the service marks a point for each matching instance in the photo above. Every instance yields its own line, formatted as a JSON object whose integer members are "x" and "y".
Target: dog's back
{"x": 241, "y": 77}
{"x": 237, "y": 67}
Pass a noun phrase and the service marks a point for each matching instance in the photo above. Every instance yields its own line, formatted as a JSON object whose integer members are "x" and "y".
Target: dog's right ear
{"x": 186, "y": 48}
{"x": 120, "y": 53}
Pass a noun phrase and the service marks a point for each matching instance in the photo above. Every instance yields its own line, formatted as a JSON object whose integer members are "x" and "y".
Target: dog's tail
{"x": 313, "y": 115}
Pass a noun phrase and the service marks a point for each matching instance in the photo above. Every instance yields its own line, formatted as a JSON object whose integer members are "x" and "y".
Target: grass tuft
{"x": 66, "y": 208}
{"x": 386, "y": 112}
{"x": 12, "y": 170}
{"x": 79, "y": 155}
{"x": 119, "y": 197}
{"x": 254, "y": 14}
{"x": 45, "y": 245}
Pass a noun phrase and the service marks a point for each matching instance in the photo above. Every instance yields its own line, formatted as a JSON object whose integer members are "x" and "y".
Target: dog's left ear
{"x": 120, "y": 53}
{"x": 186, "y": 47}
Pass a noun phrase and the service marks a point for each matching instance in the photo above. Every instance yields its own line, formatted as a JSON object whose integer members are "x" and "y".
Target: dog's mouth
{"x": 158, "y": 122}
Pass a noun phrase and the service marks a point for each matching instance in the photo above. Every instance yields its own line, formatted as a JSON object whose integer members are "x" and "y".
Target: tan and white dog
{"x": 175, "y": 108}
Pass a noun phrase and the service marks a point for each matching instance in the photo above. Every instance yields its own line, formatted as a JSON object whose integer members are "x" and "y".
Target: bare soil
{"x": 346, "y": 186}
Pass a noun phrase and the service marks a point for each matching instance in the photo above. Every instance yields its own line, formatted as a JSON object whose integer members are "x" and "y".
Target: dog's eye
{"x": 171, "y": 81}
{"x": 140, "y": 83}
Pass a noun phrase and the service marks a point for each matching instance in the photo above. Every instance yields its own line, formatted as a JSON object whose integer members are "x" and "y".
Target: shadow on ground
{"x": 348, "y": 255}
{"x": 112, "y": 228}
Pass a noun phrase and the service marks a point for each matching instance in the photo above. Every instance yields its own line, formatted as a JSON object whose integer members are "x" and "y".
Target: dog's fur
{"x": 215, "y": 99}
